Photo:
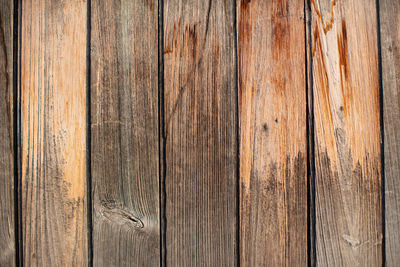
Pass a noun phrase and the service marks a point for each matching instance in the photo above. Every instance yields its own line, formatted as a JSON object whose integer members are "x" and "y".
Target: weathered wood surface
{"x": 390, "y": 45}
{"x": 273, "y": 140}
{"x": 347, "y": 133}
{"x": 124, "y": 130}
{"x": 7, "y": 231}
{"x": 53, "y": 129}
{"x": 217, "y": 114}
{"x": 200, "y": 133}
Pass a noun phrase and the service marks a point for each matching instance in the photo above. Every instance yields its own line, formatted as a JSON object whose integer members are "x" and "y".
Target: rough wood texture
{"x": 53, "y": 128}
{"x": 347, "y": 133}
{"x": 200, "y": 132}
{"x": 273, "y": 141}
{"x": 125, "y": 149}
{"x": 7, "y": 238}
{"x": 390, "y": 41}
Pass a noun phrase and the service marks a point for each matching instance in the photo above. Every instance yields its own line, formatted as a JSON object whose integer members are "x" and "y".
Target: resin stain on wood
{"x": 272, "y": 127}
{"x": 347, "y": 133}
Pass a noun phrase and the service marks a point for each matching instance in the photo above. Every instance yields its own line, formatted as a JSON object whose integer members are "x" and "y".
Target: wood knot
{"x": 120, "y": 216}
{"x": 352, "y": 241}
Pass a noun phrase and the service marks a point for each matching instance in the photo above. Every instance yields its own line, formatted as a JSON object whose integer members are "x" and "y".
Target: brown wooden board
{"x": 273, "y": 140}
{"x": 200, "y": 132}
{"x": 7, "y": 231}
{"x": 347, "y": 133}
{"x": 53, "y": 133}
{"x": 390, "y": 45}
{"x": 124, "y": 131}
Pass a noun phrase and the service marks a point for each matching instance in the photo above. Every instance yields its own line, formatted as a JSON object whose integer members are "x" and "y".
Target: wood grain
{"x": 7, "y": 234}
{"x": 390, "y": 45}
{"x": 273, "y": 140}
{"x": 53, "y": 133}
{"x": 124, "y": 130}
{"x": 347, "y": 133}
{"x": 200, "y": 133}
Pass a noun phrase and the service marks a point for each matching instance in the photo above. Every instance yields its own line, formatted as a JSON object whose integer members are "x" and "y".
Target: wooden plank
{"x": 273, "y": 139}
{"x": 53, "y": 133}
{"x": 347, "y": 133}
{"x": 7, "y": 233}
{"x": 200, "y": 133}
{"x": 124, "y": 130}
{"x": 390, "y": 49}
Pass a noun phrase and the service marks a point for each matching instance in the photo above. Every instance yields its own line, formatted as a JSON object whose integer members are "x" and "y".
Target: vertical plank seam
{"x": 18, "y": 131}
{"x": 161, "y": 137}
{"x": 236, "y": 82}
{"x": 89, "y": 137}
{"x": 237, "y": 138}
{"x": 382, "y": 133}
{"x": 16, "y": 142}
{"x": 311, "y": 220}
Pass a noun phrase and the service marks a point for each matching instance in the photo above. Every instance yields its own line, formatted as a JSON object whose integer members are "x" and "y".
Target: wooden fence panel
{"x": 53, "y": 133}
{"x": 273, "y": 139}
{"x": 7, "y": 225}
{"x": 347, "y": 133}
{"x": 239, "y": 133}
{"x": 124, "y": 131}
{"x": 200, "y": 132}
{"x": 390, "y": 41}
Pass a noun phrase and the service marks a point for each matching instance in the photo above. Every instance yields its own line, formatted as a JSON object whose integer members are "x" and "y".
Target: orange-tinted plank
{"x": 273, "y": 139}
{"x": 347, "y": 133}
{"x": 53, "y": 133}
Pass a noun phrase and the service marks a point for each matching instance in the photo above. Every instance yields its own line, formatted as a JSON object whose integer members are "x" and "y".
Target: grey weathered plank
{"x": 200, "y": 132}
{"x": 7, "y": 240}
{"x": 347, "y": 133}
{"x": 390, "y": 41}
{"x": 273, "y": 140}
{"x": 53, "y": 132}
{"x": 124, "y": 130}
